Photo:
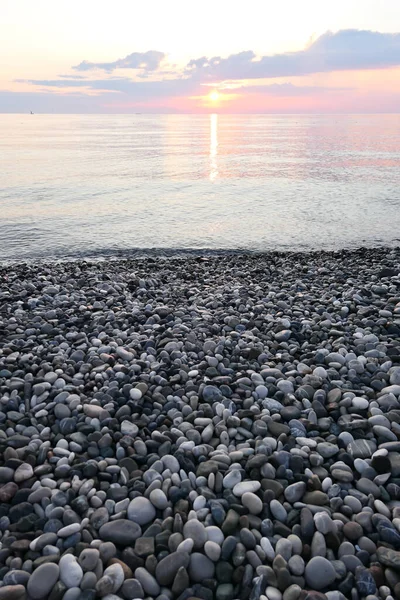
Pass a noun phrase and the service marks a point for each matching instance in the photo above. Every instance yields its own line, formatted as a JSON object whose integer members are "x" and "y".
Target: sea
{"x": 81, "y": 186}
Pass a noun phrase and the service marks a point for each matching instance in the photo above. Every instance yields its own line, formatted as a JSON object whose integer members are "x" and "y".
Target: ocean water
{"x": 93, "y": 185}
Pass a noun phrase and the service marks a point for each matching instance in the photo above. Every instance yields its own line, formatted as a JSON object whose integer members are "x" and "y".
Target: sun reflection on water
{"x": 213, "y": 147}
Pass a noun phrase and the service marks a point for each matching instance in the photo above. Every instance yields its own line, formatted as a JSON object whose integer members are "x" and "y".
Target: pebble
{"x": 252, "y": 502}
{"x": 42, "y": 580}
{"x": 319, "y": 573}
{"x": 70, "y": 571}
{"x": 141, "y": 511}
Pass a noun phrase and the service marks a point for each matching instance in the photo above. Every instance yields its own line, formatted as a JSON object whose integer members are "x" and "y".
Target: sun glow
{"x": 214, "y": 96}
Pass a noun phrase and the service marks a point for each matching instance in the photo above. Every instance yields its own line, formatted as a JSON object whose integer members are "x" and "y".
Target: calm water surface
{"x": 75, "y": 185}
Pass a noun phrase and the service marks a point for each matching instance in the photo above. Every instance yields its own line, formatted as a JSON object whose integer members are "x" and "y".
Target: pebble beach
{"x": 214, "y": 427}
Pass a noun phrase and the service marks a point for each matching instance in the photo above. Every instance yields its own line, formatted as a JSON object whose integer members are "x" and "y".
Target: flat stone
{"x": 389, "y": 557}
{"x": 246, "y": 486}
{"x": 361, "y": 448}
{"x": 120, "y": 531}
{"x": 168, "y": 567}
{"x": 327, "y": 450}
{"x": 42, "y": 580}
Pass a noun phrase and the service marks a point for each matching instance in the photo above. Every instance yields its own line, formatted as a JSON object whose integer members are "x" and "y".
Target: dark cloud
{"x": 345, "y": 50}
{"x": 147, "y": 61}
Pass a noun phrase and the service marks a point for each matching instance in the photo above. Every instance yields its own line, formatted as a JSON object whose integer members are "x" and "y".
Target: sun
{"x": 214, "y": 96}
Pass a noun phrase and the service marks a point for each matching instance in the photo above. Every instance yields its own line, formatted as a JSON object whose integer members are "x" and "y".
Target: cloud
{"x": 348, "y": 49}
{"x": 147, "y": 61}
{"x": 138, "y": 89}
{"x": 289, "y": 89}
{"x": 240, "y": 74}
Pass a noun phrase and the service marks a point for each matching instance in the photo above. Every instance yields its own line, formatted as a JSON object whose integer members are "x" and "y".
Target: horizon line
{"x": 302, "y": 114}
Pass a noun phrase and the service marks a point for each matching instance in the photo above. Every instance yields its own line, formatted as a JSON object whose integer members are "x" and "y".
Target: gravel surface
{"x": 201, "y": 427}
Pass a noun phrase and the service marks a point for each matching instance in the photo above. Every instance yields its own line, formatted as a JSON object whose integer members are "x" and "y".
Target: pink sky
{"x": 163, "y": 57}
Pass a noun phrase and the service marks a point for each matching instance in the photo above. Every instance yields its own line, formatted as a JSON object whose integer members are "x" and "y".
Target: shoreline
{"x": 182, "y": 253}
{"x": 221, "y": 426}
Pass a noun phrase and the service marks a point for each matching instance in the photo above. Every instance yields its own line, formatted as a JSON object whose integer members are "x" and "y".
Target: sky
{"x": 190, "y": 56}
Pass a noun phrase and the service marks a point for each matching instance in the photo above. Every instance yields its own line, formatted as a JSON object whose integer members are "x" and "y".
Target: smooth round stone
{"x": 225, "y": 591}
{"x": 252, "y": 502}
{"x": 69, "y": 530}
{"x": 246, "y": 486}
{"x": 212, "y": 550}
{"x": 293, "y": 592}
{"x": 171, "y": 463}
{"x": 88, "y": 559}
{"x": 158, "y": 499}
{"x": 6, "y": 474}
{"x": 23, "y": 472}
{"x": 199, "y": 503}
{"x": 382, "y": 508}
{"x": 296, "y": 565}
{"x": 262, "y": 391}
{"x": 352, "y": 530}
{"x": 147, "y": 581}
{"x": 360, "y": 403}
{"x": 135, "y": 394}
{"x": 115, "y": 573}
{"x": 323, "y": 522}
{"x": 195, "y": 531}
{"x": 361, "y": 448}
{"x": 42, "y": 580}
{"x": 327, "y": 450}
{"x": 131, "y": 588}
{"x": 200, "y": 568}
{"x": 12, "y": 592}
{"x": 185, "y": 546}
{"x": 278, "y": 511}
{"x": 16, "y": 577}
{"x": 70, "y": 571}
{"x": 320, "y": 372}
{"x": 72, "y": 594}
{"x": 319, "y": 573}
{"x": 284, "y": 386}
{"x": 129, "y": 428}
{"x": 284, "y": 548}
{"x": 231, "y": 479}
{"x": 141, "y": 511}
{"x": 273, "y": 593}
{"x": 211, "y": 394}
{"x": 214, "y": 534}
{"x": 295, "y": 491}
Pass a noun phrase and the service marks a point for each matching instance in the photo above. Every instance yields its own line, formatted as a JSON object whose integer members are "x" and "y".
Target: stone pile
{"x": 202, "y": 427}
